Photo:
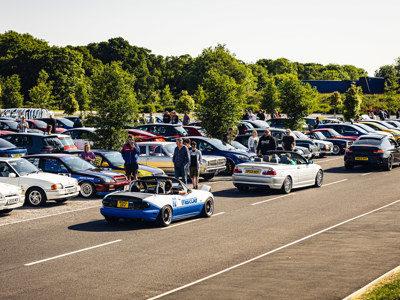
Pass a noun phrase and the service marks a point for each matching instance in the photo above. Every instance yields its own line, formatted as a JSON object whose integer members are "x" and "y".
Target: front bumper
{"x": 12, "y": 202}
{"x": 65, "y": 193}
{"x": 212, "y": 170}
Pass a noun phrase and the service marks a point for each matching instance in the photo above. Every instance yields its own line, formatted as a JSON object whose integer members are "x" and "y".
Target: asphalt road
{"x": 315, "y": 243}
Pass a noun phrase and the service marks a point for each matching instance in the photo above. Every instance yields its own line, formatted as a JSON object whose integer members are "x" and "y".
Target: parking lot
{"x": 314, "y": 243}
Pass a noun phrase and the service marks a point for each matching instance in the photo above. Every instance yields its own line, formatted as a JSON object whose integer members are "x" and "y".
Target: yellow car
{"x": 382, "y": 126}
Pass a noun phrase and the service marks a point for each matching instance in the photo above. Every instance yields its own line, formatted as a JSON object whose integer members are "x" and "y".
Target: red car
{"x": 145, "y": 136}
{"x": 333, "y": 134}
{"x": 195, "y": 130}
{"x": 40, "y": 125}
{"x": 3, "y": 132}
{"x": 67, "y": 141}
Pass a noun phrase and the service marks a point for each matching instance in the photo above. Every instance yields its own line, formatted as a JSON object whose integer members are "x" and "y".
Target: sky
{"x": 363, "y": 33}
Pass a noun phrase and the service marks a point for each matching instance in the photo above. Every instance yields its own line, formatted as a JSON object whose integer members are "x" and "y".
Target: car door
{"x": 53, "y": 165}
{"x": 142, "y": 159}
{"x": 159, "y": 158}
{"x": 8, "y": 175}
{"x": 305, "y": 171}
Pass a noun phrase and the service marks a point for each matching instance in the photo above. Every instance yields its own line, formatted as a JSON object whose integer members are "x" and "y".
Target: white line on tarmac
{"x": 179, "y": 224}
{"x": 52, "y": 215}
{"x": 221, "y": 213}
{"x": 70, "y": 253}
{"x": 339, "y": 181}
{"x": 268, "y": 200}
{"x": 271, "y": 252}
{"x": 326, "y": 160}
{"x": 365, "y": 174}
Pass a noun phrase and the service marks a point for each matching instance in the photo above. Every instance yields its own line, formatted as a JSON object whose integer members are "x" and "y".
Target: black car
{"x": 373, "y": 149}
{"x": 169, "y": 131}
{"x": 35, "y": 143}
{"x": 339, "y": 145}
{"x": 244, "y": 127}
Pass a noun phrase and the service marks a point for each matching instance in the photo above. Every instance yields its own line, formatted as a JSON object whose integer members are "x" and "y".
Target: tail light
{"x": 269, "y": 172}
{"x": 176, "y": 135}
{"x": 237, "y": 171}
{"x": 244, "y": 129}
{"x": 349, "y": 150}
{"x": 159, "y": 140}
{"x": 378, "y": 151}
{"x": 47, "y": 149}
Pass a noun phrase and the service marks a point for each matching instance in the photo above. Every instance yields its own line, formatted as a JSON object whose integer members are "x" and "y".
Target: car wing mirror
{"x": 12, "y": 175}
{"x": 310, "y": 162}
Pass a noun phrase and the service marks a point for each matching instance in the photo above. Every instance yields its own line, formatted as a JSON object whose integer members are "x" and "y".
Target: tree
{"x": 222, "y": 103}
{"x": 41, "y": 94}
{"x": 296, "y": 99}
{"x": 166, "y": 97}
{"x": 70, "y": 105}
{"x": 184, "y": 103}
{"x": 392, "y": 90}
{"x": 335, "y": 100}
{"x": 11, "y": 96}
{"x": 270, "y": 97}
{"x": 114, "y": 98}
{"x": 352, "y": 102}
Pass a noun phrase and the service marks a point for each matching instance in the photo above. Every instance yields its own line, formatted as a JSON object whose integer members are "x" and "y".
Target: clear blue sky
{"x": 363, "y": 33}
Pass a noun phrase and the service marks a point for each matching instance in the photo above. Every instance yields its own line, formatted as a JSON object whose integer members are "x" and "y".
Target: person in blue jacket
{"x": 130, "y": 152}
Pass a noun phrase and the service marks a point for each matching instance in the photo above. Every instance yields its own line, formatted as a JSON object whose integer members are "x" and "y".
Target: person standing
{"x": 226, "y": 139}
{"x": 53, "y": 124}
{"x": 397, "y": 113}
{"x": 317, "y": 122}
{"x": 130, "y": 153}
{"x": 266, "y": 143}
{"x": 186, "y": 119}
{"x": 166, "y": 117}
{"x": 175, "y": 118}
{"x": 194, "y": 166}
{"x": 180, "y": 159}
{"x": 23, "y": 125}
{"x": 288, "y": 141}
{"x": 253, "y": 141}
{"x": 87, "y": 154}
{"x": 152, "y": 118}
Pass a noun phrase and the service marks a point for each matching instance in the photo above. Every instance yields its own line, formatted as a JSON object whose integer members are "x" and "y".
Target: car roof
{"x": 31, "y": 134}
{"x": 160, "y": 124}
{"x": 155, "y": 143}
{"x": 58, "y": 155}
{"x": 10, "y": 158}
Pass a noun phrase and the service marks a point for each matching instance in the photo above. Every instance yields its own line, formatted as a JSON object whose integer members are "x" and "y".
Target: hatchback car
{"x": 9, "y": 150}
{"x": 12, "y": 125}
{"x": 42, "y": 126}
{"x": 168, "y": 131}
{"x": 35, "y": 143}
{"x": 60, "y": 122}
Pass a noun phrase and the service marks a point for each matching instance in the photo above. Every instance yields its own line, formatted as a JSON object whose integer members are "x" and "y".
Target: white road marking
{"x": 271, "y": 252}
{"x": 334, "y": 182}
{"x": 70, "y": 253}
{"x": 268, "y": 200}
{"x": 368, "y": 173}
{"x": 326, "y": 160}
{"x": 221, "y": 213}
{"x": 179, "y": 224}
{"x": 46, "y": 216}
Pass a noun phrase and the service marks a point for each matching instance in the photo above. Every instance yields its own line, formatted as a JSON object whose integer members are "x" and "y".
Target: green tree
{"x": 184, "y": 103}
{"x": 41, "y": 94}
{"x": 114, "y": 98}
{"x": 222, "y": 104}
{"x": 352, "y": 102}
{"x": 11, "y": 96}
{"x": 392, "y": 90}
{"x": 296, "y": 100}
{"x": 270, "y": 96}
{"x": 82, "y": 94}
{"x": 335, "y": 100}
{"x": 70, "y": 105}
{"x": 166, "y": 98}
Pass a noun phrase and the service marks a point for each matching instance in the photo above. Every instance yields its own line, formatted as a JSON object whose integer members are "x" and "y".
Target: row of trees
{"x": 117, "y": 79}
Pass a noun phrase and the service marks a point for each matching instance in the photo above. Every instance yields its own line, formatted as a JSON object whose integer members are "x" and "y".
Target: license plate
{"x": 70, "y": 190}
{"x": 17, "y": 155}
{"x": 123, "y": 204}
{"x": 361, "y": 158}
{"x": 12, "y": 201}
{"x": 252, "y": 171}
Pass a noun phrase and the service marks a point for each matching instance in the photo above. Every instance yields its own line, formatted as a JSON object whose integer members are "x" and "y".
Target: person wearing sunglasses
{"x": 130, "y": 152}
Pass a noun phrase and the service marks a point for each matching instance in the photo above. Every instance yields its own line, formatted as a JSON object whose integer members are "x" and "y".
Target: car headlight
{"x": 57, "y": 186}
{"x": 395, "y": 134}
{"x": 106, "y": 179}
{"x": 204, "y": 161}
{"x": 242, "y": 157}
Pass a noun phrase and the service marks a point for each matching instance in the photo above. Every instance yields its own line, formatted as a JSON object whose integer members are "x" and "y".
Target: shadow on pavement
{"x": 252, "y": 192}
{"x": 122, "y": 225}
{"x": 355, "y": 170}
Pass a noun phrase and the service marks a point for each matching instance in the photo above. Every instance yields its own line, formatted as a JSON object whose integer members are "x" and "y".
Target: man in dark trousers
{"x": 52, "y": 122}
{"x": 130, "y": 153}
{"x": 180, "y": 159}
{"x": 288, "y": 141}
{"x": 266, "y": 143}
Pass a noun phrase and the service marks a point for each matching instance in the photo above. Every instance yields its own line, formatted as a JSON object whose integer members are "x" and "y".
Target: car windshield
{"x": 367, "y": 141}
{"x": 54, "y": 142}
{"x": 66, "y": 122}
{"x": 301, "y": 135}
{"x": 6, "y": 144}
{"x": 13, "y": 125}
{"x": 219, "y": 145}
{"x": 40, "y": 124}
{"x": 238, "y": 145}
{"x": 181, "y": 131}
{"x": 319, "y": 135}
{"x": 76, "y": 164}
{"x": 386, "y": 125}
{"x": 23, "y": 167}
{"x": 333, "y": 132}
{"x": 170, "y": 148}
{"x": 115, "y": 158}
{"x": 67, "y": 141}
{"x": 202, "y": 131}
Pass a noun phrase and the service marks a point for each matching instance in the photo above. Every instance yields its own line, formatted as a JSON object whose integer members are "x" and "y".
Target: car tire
{"x": 319, "y": 178}
{"x": 349, "y": 166}
{"x": 87, "y": 189}
{"x": 208, "y": 208}
{"x": 230, "y": 166}
{"x": 111, "y": 220}
{"x": 164, "y": 218}
{"x": 389, "y": 164}
{"x": 6, "y": 211}
{"x": 287, "y": 185}
{"x": 35, "y": 197}
{"x": 208, "y": 176}
{"x": 337, "y": 150}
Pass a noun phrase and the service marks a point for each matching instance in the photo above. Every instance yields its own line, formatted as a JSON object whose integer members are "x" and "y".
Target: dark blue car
{"x": 9, "y": 150}
{"x": 60, "y": 122}
{"x": 35, "y": 143}
{"x": 345, "y": 129}
{"x": 211, "y": 146}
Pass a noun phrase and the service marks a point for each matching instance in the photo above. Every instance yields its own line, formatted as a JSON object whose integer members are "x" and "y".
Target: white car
{"x": 325, "y": 147}
{"x": 11, "y": 197}
{"x": 38, "y": 186}
{"x": 283, "y": 170}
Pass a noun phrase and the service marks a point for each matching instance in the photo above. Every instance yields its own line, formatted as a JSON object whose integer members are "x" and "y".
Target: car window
{"x": 53, "y": 142}
{"x": 277, "y": 135}
{"x": 5, "y": 144}
{"x": 204, "y": 146}
{"x": 142, "y": 150}
{"x": 115, "y": 158}
{"x": 34, "y": 161}
{"x": 156, "y": 151}
{"x": 160, "y": 130}
{"x": 5, "y": 169}
{"x": 23, "y": 141}
{"x": 75, "y": 134}
{"x": 350, "y": 130}
{"x": 52, "y": 165}
{"x": 180, "y": 131}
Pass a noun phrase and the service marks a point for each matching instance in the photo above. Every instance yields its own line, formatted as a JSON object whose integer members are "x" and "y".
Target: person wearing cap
{"x": 23, "y": 125}
{"x": 87, "y": 154}
{"x": 266, "y": 143}
{"x": 288, "y": 141}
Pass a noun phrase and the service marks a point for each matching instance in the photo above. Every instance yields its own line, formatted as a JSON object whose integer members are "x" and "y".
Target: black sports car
{"x": 374, "y": 149}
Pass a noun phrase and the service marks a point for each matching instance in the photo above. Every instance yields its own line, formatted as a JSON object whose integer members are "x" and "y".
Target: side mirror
{"x": 12, "y": 175}
{"x": 310, "y": 162}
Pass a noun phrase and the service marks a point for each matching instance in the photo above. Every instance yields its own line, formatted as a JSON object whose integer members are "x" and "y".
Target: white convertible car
{"x": 11, "y": 197}
{"x": 38, "y": 186}
{"x": 279, "y": 170}
{"x": 158, "y": 199}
